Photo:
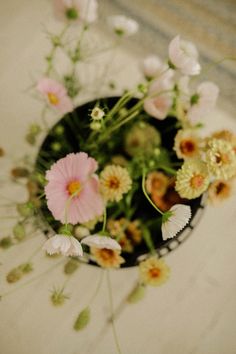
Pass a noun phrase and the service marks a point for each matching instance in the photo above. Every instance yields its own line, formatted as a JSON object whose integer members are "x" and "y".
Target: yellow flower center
{"x": 154, "y": 272}
{"x": 113, "y": 183}
{"x": 53, "y": 99}
{"x": 197, "y": 181}
{"x": 74, "y": 188}
{"x": 107, "y": 254}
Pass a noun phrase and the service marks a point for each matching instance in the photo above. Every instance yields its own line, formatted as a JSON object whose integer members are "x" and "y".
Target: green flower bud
{"x": 59, "y": 130}
{"x": 25, "y": 209}
{"x": 6, "y": 242}
{"x": 82, "y": 320}
{"x": 14, "y": 275}
{"x": 19, "y": 231}
{"x": 95, "y": 125}
{"x": 26, "y": 267}
{"x": 56, "y": 146}
{"x": 137, "y": 294}
{"x": 71, "y": 266}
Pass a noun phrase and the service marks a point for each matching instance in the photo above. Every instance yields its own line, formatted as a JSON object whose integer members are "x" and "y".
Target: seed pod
{"x": 25, "y": 209}
{"x": 6, "y": 242}
{"x": 2, "y": 152}
{"x": 26, "y": 267}
{"x": 19, "y": 172}
{"x": 82, "y": 320}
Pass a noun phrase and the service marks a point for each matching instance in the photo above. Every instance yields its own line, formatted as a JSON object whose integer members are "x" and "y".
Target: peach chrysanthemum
{"x": 154, "y": 271}
{"x": 187, "y": 144}
{"x": 219, "y": 190}
{"x": 221, "y": 159}
{"x": 114, "y": 182}
{"x": 157, "y": 183}
{"x": 192, "y": 179}
{"x": 107, "y": 258}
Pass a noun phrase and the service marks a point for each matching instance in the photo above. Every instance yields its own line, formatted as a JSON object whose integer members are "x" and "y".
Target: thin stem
{"x": 112, "y": 313}
{"x": 99, "y": 283}
{"x": 147, "y": 196}
{"x": 104, "y": 220}
{"x": 168, "y": 169}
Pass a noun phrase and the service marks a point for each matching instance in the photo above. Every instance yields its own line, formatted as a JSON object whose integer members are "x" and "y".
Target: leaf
{"x": 82, "y": 320}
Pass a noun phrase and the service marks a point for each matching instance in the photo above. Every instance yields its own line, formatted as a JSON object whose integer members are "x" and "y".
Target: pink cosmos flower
{"x": 55, "y": 94}
{"x": 160, "y": 99}
{"x": 76, "y": 10}
{"x": 184, "y": 56}
{"x": 72, "y": 191}
{"x": 205, "y": 97}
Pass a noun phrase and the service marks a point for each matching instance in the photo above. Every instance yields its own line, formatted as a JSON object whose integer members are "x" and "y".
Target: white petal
{"x": 177, "y": 221}
{"x": 101, "y": 242}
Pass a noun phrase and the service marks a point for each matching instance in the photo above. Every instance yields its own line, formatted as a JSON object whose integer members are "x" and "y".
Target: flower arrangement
{"x": 116, "y": 178}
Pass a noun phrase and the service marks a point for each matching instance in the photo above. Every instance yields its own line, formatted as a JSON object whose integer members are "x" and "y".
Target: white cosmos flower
{"x": 179, "y": 216}
{"x": 122, "y": 25}
{"x": 99, "y": 241}
{"x": 184, "y": 56}
{"x": 205, "y": 96}
{"x": 64, "y": 244}
{"x": 152, "y": 66}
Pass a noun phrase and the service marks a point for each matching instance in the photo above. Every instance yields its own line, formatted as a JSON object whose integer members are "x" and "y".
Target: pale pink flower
{"x": 204, "y": 100}
{"x": 76, "y": 10}
{"x": 100, "y": 241}
{"x": 72, "y": 191}
{"x": 64, "y": 244}
{"x": 55, "y": 94}
{"x": 160, "y": 97}
{"x": 183, "y": 55}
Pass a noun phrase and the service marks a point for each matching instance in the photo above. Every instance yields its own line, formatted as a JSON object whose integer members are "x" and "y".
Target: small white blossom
{"x": 203, "y": 101}
{"x": 76, "y": 10}
{"x": 122, "y": 25}
{"x": 64, "y": 244}
{"x": 175, "y": 220}
{"x": 183, "y": 55}
{"x": 97, "y": 113}
{"x": 99, "y": 241}
{"x": 152, "y": 66}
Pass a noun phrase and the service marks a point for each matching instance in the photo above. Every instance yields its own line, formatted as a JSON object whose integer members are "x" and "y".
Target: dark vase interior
{"x": 76, "y": 129}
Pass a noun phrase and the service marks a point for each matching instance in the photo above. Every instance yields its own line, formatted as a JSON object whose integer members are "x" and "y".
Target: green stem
{"x": 99, "y": 283}
{"x": 168, "y": 169}
{"x": 112, "y": 313}
{"x": 104, "y": 220}
{"x": 147, "y": 196}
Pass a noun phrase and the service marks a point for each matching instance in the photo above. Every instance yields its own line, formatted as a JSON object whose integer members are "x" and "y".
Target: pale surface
{"x": 194, "y": 313}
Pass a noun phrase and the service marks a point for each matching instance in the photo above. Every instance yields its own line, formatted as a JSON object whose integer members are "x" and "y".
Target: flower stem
{"x": 112, "y": 313}
{"x": 104, "y": 220}
{"x": 99, "y": 283}
{"x": 147, "y": 196}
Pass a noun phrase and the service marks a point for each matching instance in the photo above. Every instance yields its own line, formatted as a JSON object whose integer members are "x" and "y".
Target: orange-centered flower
{"x": 53, "y": 99}
{"x": 113, "y": 182}
{"x": 188, "y": 147}
{"x": 197, "y": 181}
{"x": 74, "y": 188}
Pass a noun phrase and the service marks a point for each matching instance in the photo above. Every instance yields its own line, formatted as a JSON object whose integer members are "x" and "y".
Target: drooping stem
{"x": 112, "y": 313}
{"x": 147, "y": 196}
{"x": 98, "y": 286}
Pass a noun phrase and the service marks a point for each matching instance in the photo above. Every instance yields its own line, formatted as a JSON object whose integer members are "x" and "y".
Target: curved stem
{"x": 112, "y": 313}
{"x": 147, "y": 196}
{"x": 99, "y": 283}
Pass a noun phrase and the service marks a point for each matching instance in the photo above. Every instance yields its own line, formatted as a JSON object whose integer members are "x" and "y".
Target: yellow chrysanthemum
{"x": 154, "y": 271}
{"x": 187, "y": 144}
{"x": 192, "y": 179}
{"x": 221, "y": 159}
{"x": 107, "y": 258}
{"x": 115, "y": 181}
{"x": 219, "y": 191}
{"x": 226, "y": 135}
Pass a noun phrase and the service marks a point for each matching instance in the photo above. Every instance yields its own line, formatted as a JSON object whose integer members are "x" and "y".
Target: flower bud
{"x": 82, "y": 320}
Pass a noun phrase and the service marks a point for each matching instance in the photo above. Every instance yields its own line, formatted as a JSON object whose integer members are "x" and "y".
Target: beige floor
{"x": 194, "y": 313}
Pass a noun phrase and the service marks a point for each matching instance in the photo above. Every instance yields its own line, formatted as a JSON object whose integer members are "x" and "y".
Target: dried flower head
{"x": 114, "y": 182}
{"x": 58, "y": 296}
{"x": 192, "y": 179}
{"x": 154, "y": 271}
{"x": 107, "y": 258}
